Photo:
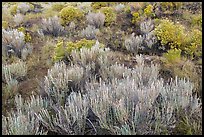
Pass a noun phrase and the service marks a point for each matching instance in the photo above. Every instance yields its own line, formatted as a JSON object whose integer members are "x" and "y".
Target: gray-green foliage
{"x": 96, "y": 19}
{"x": 11, "y": 74}
{"x": 127, "y": 101}
{"x": 89, "y": 32}
{"x": 23, "y": 121}
{"x": 134, "y": 43}
{"x": 13, "y": 43}
{"x": 52, "y": 26}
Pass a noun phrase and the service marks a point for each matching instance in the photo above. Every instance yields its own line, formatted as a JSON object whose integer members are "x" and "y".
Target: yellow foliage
{"x": 170, "y": 34}
{"x": 27, "y": 35}
{"x": 136, "y": 17}
{"x": 110, "y": 15}
{"x": 62, "y": 49}
{"x": 5, "y": 24}
{"x": 98, "y": 5}
{"x": 13, "y": 9}
{"x": 148, "y": 11}
{"x": 69, "y": 14}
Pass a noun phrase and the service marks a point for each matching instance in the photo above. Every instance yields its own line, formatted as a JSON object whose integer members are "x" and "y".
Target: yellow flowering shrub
{"x": 175, "y": 36}
{"x": 170, "y": 34}
{"x": 58, "y": 6}
{"x": 63, "y": 48}
{"x": 148, "y": 11}
{"x": 69, "y": 14}
{"x": 173, "y": 55}
{"x": 13, "y": 9}
{"x": 110, "y": 15}
{"x": 196, "y": 20}
{"x": 170, "y": 7}
{"x": 59, "y": 51}
{"x": 27, "y": 35}
{"x": 136, "y": 17}
{"x": 98, "y": 5}
{"x": 5, "y": 24}
{"x": 193, "y": 47}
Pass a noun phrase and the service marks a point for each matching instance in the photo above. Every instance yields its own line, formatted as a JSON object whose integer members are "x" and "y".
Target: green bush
{"x": 59, "y": 51}
{"x": 58, "y": 6}
{"x": 196, "y": 20}
{"x": 69, "y": 14}
{"x": 62, "y": 49}
{"x": 148, "y": 11}
{"x": 110, "y": 15}
{"x": 27, "y": 35}
{"x": 5, "y": 24}
{"x": 13, "y": 9}
{"x": 169, "y": 7}
{"x": 173, "y": 55}
{"x": 193, "y": 46}
{"x": 136, "y": 17}
{"x": 98, "y": 5}
{"x": 170, "y": 34}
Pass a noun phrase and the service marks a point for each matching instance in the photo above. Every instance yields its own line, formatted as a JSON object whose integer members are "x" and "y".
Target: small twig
{"x": 92, "y": 125}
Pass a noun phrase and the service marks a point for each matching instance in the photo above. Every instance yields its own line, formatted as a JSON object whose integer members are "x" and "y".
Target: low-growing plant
{"x": 90, "y": 88}
{"x": 23, "y": 121}
{"x": 85, "y": 6}
{"x": 86, "y": 56}
{"x": 148, "y": 11}
{"x": 28, "y": 37}
{"x": 170, "y": 34}
{"x": 119, "y": 8}
{"x": 52, "y": 26}
{"x": 135, "y": 17}
{"x": 13, "y": 9}
{"x": 119, "y": 106}
{"x": 170, "y": 7}
{"x": 79, "y": 44}
{"x": 59, "y": 51}
{"x": 18, "y": 19}
{"x": 196, "y": 20}
{"x": 150, "y": 40}
{"x": 65, "y": 48}
{"x": 11, "y": 75}
{"x": 5, "y": 25}
{"x": 134, "y": 43}
{"x": 96, "y": 19}
{"x": 12, "y": 41}
{"x": 58, "y": 6}
{"x": 48, "y": 52}
{"x": 15, "y": 70}
{"x": 193, "y": 48}
{"x": 136, "y": 6}
{"x": 62, "y": 80}
{"x": 24, "y": 7}
{"x": 174, "y": 36}
{"x": 69, "y": 14}
{"x": 98, "y": 5}
{"x": 146, "y": 26}
{"x": 89, "y": 32}
{"x": 173, "y": 55}
{"x": 110, "y": 15}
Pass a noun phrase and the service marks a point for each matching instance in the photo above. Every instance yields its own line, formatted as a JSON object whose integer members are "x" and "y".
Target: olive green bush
{"x": 173, "y": 35}
{"x": 110, "y": 15}
{"x": 69, "y": 14}
{"x": 5, "y": 24}
{"x": 98, "y": 5}
{"x": 62, "y": 49}
{"x": 170, "y": 34}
